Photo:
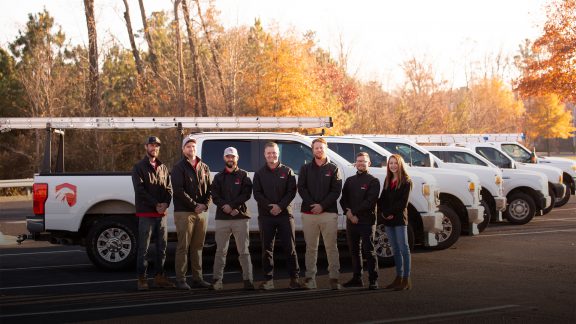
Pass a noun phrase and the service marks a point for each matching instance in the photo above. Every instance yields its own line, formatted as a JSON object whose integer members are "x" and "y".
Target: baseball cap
{"x": 154, "y": 140}
{"x": 231, "y": 151}
{"x": 187, "y": 139}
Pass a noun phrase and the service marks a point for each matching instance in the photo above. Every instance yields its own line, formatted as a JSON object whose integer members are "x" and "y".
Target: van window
{"x": 408, "y": 153}
{"x": 213, "y": 153}
{"x": 495, "y": 156}
{"x": 348, "y": 151}
{"x": 463, "y": 158}
{"x": 345, "y": 150}
{"x": 517, "y": 152}
{"x": 294, "y": 154}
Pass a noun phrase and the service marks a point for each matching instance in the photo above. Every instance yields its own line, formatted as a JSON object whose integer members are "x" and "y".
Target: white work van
{"x": 459, "y": 191}
{"x": 525, "y": 190}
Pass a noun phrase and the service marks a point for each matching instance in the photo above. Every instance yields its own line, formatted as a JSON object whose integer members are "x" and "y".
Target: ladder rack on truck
{"x": 461, "y": 138}
{"x": 7, "y": 124}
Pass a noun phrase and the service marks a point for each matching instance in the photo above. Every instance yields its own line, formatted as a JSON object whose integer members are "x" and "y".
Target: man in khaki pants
{"x": 191, "y": 185}
{"x": 230, "y": 190}
{"x": 320, "y": 185}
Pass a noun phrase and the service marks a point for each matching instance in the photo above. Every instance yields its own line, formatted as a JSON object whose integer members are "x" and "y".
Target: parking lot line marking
{"x": 48, "y": 267}
{"x": 175, "y": 302}
{"x": 556, "y": 219}
{"x": 563, "y": 209}
{"x": 88, "y": 283}
{"x": 528, "y": 233}
{"x": 48, "y": 252}
{"x": 441, "y": 315}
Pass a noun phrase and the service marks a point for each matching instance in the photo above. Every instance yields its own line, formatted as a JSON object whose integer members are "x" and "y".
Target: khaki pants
{"x": 327, "y": 225}
{"x": 191, "y": 230}
{"x": 239, "y": 228}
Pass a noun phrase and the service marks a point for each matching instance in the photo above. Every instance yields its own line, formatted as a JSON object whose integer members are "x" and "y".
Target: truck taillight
{"x": 40, "y": 194}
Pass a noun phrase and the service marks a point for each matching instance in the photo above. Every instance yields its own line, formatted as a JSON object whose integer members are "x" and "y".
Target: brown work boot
{"x": 335, "y": 285}
{"x": 160, "y": 281}
{"x": 405, "y": 284}
{"x": 143, "y": 283}
{"x": 295, "y": 283}
{"x": 394, "y": 283}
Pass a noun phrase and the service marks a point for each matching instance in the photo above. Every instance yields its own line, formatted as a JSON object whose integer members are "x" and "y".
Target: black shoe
{"x": 249, "y": 285}
{"x": 373, "y": 285}
{"x": 355, "y": 282}
{"x": 200, "y": 284}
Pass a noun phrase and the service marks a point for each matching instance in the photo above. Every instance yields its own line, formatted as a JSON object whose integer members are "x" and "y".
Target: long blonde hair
{"x": 403, "y": 176}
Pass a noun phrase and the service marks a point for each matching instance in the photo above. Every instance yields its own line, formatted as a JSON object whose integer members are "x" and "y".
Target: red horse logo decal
{"x": 66, "y": 192}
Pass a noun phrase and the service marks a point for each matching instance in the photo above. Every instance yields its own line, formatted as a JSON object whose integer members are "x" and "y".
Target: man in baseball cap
{"x": 231, "y": 151}
{"x": 154, "y": 140}
{"x": 188, "y": 139}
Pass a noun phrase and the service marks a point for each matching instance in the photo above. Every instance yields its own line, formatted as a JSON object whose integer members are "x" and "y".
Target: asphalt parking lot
{"x": 508, "y": 274}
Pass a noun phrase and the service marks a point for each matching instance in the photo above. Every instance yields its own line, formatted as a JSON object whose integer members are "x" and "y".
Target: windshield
{"x": 518, "y": 153}
{"x": 411, "y": 155}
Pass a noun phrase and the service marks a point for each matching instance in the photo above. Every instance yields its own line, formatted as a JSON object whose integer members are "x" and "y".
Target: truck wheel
{"x": 553, "y": 199}
{"x": 564, "y": 200}
{"x": 383, "y": 247}
{"x": 451, "y": 229}
{"x": 111, "y": 243}
{"x": 487, "y": 216}
{"x": 521, "y": 208}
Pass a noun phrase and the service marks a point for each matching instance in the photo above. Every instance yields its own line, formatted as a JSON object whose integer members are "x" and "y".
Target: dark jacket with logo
{"x": 232, "y": 188}
{"x": 191, "y": 185}
{"x": 360, "y": 194}
{"x": 277, "y": 186}
{"x": 320, "y": 185}
{"x": 395, "y": 202}
{"x": 150, "y": 187}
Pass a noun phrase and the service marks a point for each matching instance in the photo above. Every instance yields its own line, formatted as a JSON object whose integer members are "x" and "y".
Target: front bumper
{"x": 431, "y": 225}
{"x": 475, "y": 214}
{"x": 500, "y": 203}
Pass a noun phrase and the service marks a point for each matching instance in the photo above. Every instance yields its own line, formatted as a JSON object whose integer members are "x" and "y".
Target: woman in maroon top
{"x": 392, "y": 207}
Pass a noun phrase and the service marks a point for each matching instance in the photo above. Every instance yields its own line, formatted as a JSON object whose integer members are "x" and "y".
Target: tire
{"x": 521, "y": 208}
{"x": 552, "y": 198}
{"x": 564, "y": 200}
{"x": 451, "y": 229}
{"x": 383, "y": 248}
{"x": 112, "y": 243}
{"x": 487, "y": 216}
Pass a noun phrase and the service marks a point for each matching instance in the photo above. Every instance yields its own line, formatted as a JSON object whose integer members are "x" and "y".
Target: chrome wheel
{"x": 114, "y": 245}
{"x": 519, "y": 209}
{"x": 382, "y": 244}
{"x": 447, "y": 229}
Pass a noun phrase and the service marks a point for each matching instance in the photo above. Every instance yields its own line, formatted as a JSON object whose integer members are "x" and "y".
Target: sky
{"x": 378, "y": 35}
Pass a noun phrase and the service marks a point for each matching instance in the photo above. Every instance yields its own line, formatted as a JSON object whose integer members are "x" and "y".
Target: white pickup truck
{"x": 459, "y": 191}
{"x": 494, "y": 154}
{"x": 521, "y": 154}
{"x": 97, "y": 209}
{"x": 525, "y": 190}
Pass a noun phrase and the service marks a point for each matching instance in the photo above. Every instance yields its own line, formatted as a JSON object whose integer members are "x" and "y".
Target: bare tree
{"x": 135, "y": 52}
{"x": 181, "y": 85}
{"x": 198, "y": 89}
{"x": 229, "y": 108}
{"x": 151, "y": 48}
{"x": 93, "y": 92}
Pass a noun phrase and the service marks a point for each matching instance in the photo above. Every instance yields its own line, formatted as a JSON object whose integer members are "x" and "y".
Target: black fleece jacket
{"x": 274, "y": 186}
{"x": 395, "y": 202}
{"x": 360, "y": 194}
{"x": 320, "y": 185}
{"x": 232, "y": 188}
{"x": 191, "y": 185}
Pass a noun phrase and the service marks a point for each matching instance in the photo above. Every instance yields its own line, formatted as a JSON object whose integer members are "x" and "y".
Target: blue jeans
{"x": 147, "y": 226}
{"x": 398, "y": 238}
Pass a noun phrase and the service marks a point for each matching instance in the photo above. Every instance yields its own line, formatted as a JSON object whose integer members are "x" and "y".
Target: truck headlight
{"x": 426, "y": 189}
{"x": 498, "y": 180}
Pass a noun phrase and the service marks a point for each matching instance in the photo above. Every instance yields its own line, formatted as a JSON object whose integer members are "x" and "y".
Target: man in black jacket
{"x": 191, "y": 184}
{"x": 359, "y": 197}
{"x": 153, "y": 193}
{"x": 320, "y": 185}
{"x": 274, "y": 190}
{"x": 230, "y": 190}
